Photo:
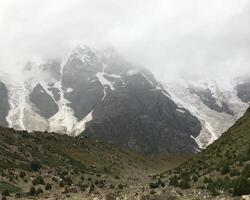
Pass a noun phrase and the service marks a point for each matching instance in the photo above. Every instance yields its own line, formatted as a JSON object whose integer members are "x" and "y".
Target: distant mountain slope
{"x": 4, "y": 104}
{"x": 101, "y": 95}
{"x": 243, "y": 91}
{"x": 223, "y": 165}
{"x": 217, "y": 104}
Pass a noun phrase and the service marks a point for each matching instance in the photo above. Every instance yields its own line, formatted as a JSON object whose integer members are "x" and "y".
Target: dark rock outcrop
{"x": 140, "y": 117}
{"x": 243, "y": 91}
{"x": 44, "y": 103}
{"x": 130, "y": 108}
{"x": 211, "y": 102}
{"x": 4, "y": 105}
{"x": 79, "y": 78}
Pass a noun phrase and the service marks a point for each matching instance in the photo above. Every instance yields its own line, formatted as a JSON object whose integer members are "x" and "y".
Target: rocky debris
{"x": 246, "y": 197}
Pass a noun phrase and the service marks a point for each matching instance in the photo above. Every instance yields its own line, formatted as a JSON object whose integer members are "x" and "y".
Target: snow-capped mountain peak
{"x": 100, "y": 94}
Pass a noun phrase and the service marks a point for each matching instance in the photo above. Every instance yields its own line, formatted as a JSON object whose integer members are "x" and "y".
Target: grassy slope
{"x": 90, "y": 159}
{"x": 221, "y": 164}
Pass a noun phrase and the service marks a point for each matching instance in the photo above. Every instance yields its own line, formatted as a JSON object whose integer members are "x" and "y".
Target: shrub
{"x": 241, "y": 186}
{"x": 211, "y": 187}
{"x": 184, "y": 184}
{"x": 162, "y": 184}
{"x": 195, "y": 178}
{"x": 35, "y": 165}
{"x": 91, "y": 188}
{"x": 68, "y": 181}
{"x": 152, "y": 192}
{"x": 65, "y": 173}
{"x": 120, "y": 186}
{"x": 39, "y": 191}
{"x": 246, "y": 171}
{"x": 101, "y": 184}
{"x": 174, "y": 181}
{"x": 18, "y": 195}
{"x": 206, "y": 180}
{"x": 83, "y": 187}
{"x": 38, "y": 181}
{"x": 61, "y": 184}
{"x": 234, "y": 172}
{"x": 227, "y": 183}
{"x": 153, "y": 185}
{"x": 32, "y": 191}
{"x": 22, "y": 174}
{"x": 48, "y": 186}
{"x": 225, "y": 169}
{"x": 54, "y": 179}
{"x": 223, "y": 183}
{"x": 6, "y": 193}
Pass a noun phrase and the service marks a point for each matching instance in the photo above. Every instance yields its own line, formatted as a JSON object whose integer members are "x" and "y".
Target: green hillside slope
{"x": 224, "y": 166}
{"x": 47, "y": 164}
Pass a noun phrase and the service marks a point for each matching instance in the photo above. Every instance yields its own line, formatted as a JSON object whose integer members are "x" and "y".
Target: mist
{"x": 172, "y": 38}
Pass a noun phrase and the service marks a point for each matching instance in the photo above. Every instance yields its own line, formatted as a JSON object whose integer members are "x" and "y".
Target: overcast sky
{"x": 209, "y": 38}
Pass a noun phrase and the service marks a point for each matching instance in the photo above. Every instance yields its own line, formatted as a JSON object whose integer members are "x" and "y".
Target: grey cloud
{"x": 170, "y": 37}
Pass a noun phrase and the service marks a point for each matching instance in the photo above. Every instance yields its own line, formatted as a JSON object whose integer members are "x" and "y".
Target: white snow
{"x": 104, "y": 81}
{"x": 114, "y": 75}
{"x": 165, "y": 93}
{"x": 22, "y": 114}
{"x": 69, "y": 90}
{"x": 81, "y": 126}
{"x": 45, "y": 87}
{"x": 213, "y": 123}
{"x": 133, "y": 72}
{"x": 180, "y": 110}
{"x": 17, "y": 104}
{"x": 64, "y": 120}
{"x": 105, "y": 93}
{"x": 16, "y": 94}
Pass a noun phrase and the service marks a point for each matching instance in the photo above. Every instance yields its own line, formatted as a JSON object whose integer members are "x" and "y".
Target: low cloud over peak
{"x": 169, "y": 37}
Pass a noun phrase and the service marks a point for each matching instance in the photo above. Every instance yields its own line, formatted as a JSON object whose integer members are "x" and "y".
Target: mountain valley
{"x": 100, "y": 95}
{"x": 94, "y": 126}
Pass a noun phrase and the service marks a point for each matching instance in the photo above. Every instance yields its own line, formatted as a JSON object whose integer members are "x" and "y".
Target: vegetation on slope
{"x": 224, "y": 166}
{"x": 46, "y": 164}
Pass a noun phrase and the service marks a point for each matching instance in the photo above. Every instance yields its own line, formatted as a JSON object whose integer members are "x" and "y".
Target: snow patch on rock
{"x": 81, "y": 126}
{"x": 213, "y": 123}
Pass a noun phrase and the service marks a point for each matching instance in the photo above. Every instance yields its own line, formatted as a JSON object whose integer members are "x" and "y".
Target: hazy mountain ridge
{"x": 101, "y": 94}
{"x": 217, "y": 104}
{"x": 104, "y": 96}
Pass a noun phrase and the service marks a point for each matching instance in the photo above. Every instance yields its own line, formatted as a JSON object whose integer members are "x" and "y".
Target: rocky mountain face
{"x": 217, "y": 105}
{"x": 243, "y": 91}
{"x": 101, "y": 95}
{"x": 4, "y": 105}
